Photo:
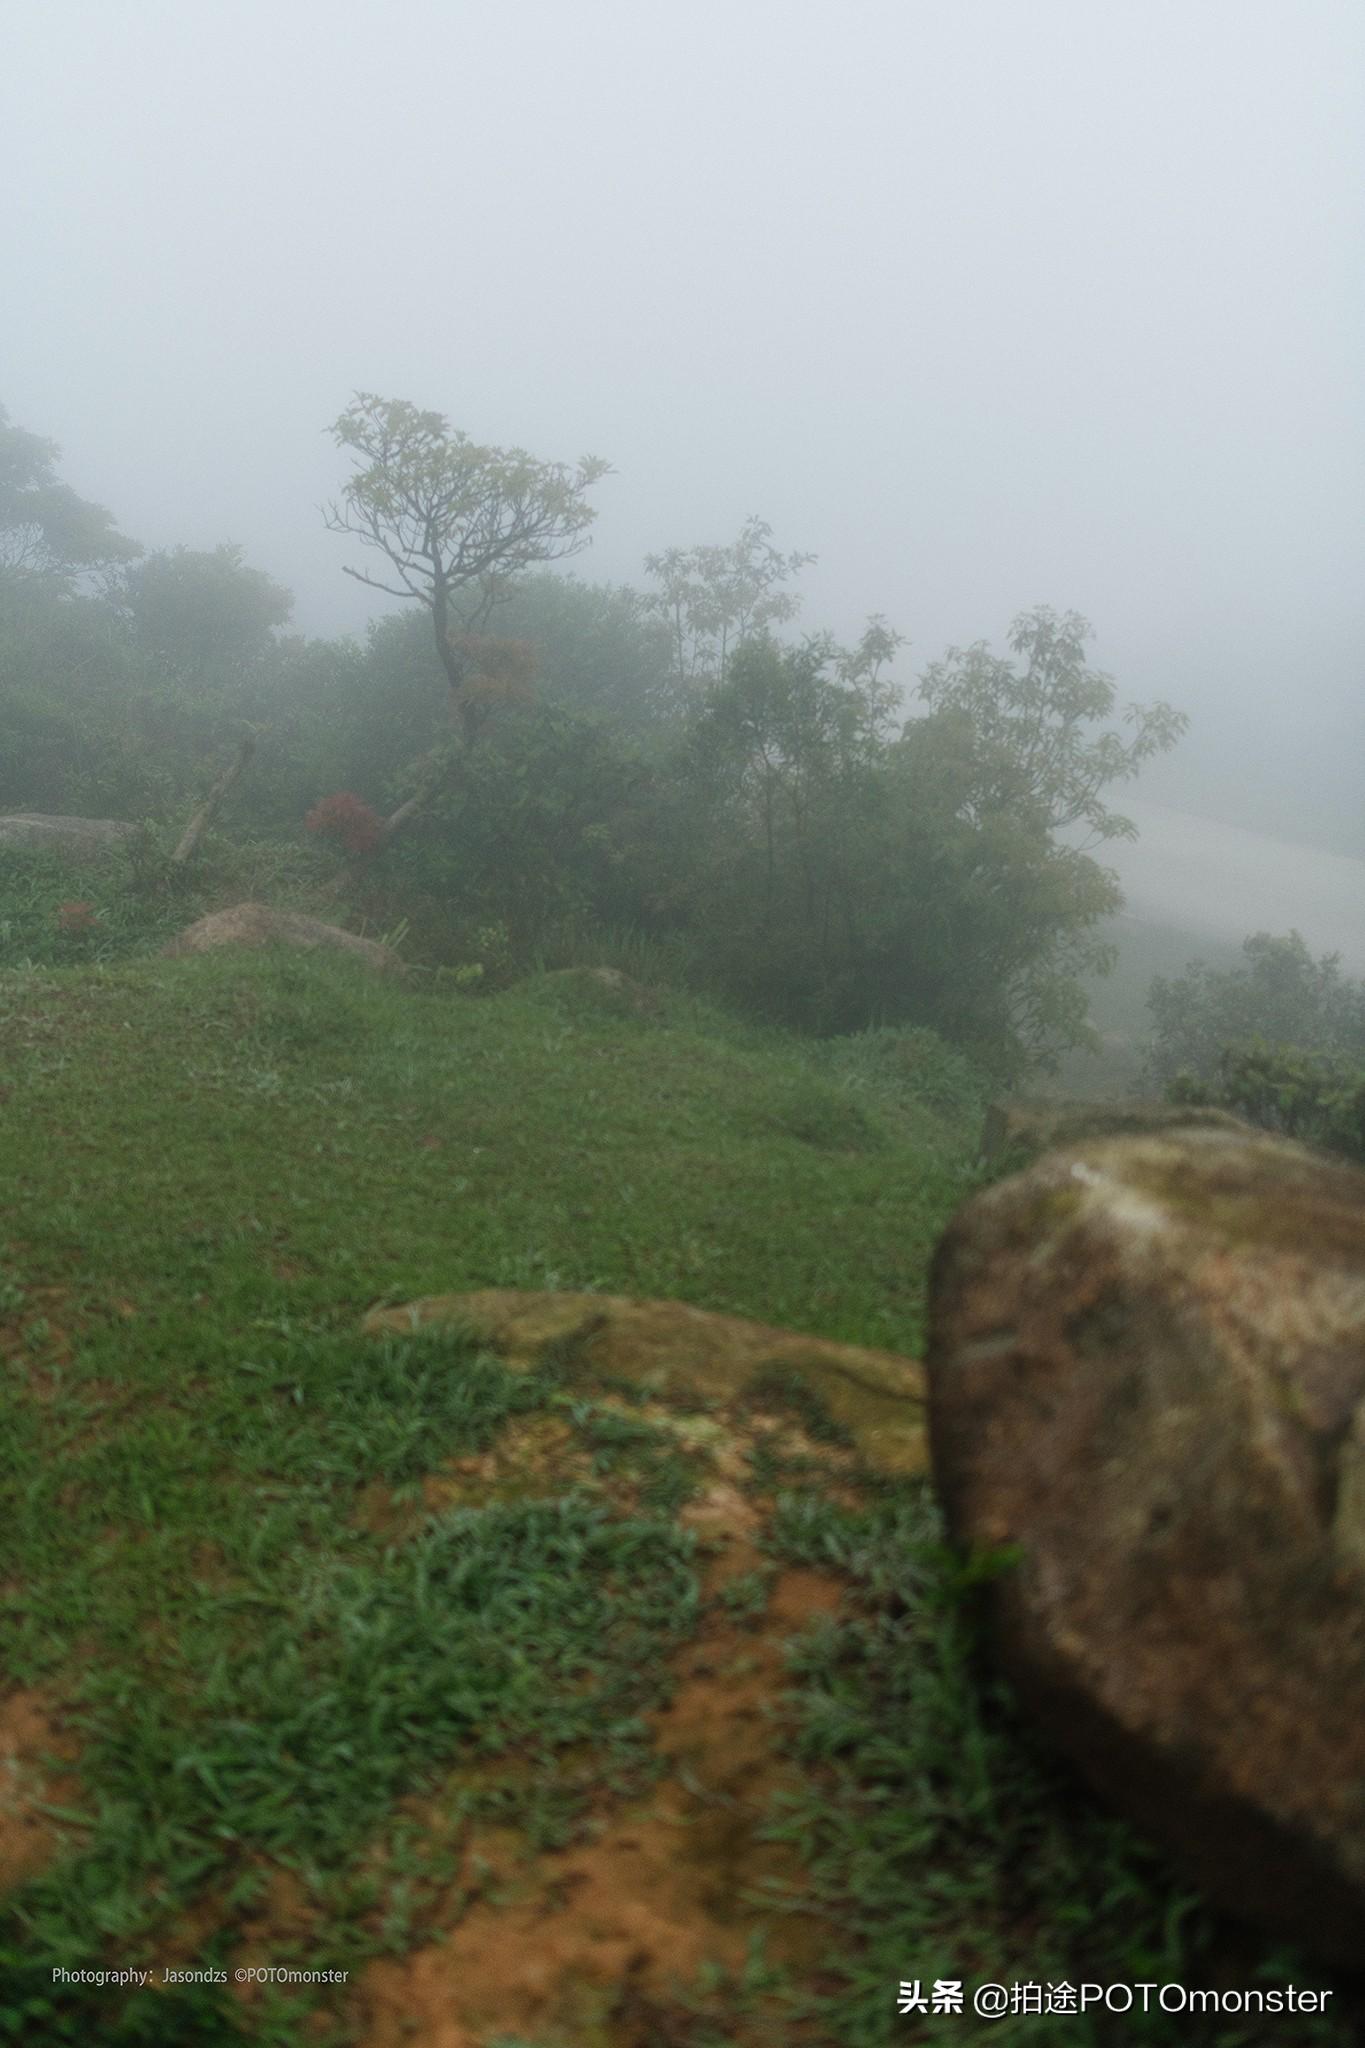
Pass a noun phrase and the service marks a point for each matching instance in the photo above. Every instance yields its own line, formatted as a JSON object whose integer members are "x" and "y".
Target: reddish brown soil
{"x": 33, "y": 1747}
{"x": 649, "y": 1915}
{"x": 33, "y": 1344}
{"x": 601, "y": 1945}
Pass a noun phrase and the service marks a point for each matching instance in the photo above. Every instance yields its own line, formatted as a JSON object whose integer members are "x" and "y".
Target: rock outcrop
{"x": 255, "y": 924}
{"x": 675, "y": 1352}
{"x": 88, "y": 839}
{"x": 1147, "y": 1383}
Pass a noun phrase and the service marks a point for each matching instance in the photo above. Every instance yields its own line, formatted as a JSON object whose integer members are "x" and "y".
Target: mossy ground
{"x": 299, "y": 1609}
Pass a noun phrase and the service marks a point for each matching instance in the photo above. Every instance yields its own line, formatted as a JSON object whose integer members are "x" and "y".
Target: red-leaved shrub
{"x": 349, "y": 819}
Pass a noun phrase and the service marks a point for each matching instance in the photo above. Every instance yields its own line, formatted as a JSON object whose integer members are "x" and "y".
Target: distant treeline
{"x": 520, "y": 758}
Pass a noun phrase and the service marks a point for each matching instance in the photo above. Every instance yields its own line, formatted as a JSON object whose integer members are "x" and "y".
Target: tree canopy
{"x": 713, "y": 599}
{"x": 46, "y": 529}
{"x": 847, "y": 875}
{"x": 1018, "y": 739}
{"x": 201, "y": 613}
{"x": 456, "y": 522}
{"x": 1279, "y": 993}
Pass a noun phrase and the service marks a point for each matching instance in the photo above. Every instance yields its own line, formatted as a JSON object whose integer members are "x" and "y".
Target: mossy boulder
{"x": 1147, "y": 1399}
{"x": 1015, "y": 1133}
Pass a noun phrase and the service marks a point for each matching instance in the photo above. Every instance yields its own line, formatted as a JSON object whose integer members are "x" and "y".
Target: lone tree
{"x": 457, "y": 523}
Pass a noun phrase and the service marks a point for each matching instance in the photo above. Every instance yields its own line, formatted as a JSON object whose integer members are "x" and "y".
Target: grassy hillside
{"x": 288, "y": 1137}
{"x": 213, "y": 1167}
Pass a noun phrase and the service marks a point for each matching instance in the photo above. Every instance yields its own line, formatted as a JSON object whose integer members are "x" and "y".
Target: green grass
{"x": 214, "y": 1166}
{"x": 944, "y": 1843}
{"x": 58, "y": 913}
{"x": 190, "y": 1127}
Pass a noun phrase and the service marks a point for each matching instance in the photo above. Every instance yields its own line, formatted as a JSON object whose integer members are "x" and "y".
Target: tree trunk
{"x": 454, "y": 661}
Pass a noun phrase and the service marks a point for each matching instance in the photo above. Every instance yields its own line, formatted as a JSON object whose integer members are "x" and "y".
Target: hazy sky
{"x": 988, "y": 302}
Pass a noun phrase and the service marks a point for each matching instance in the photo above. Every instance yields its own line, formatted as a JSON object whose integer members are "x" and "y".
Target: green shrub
{"x": 1317, "y": 1097}
{"x": 1282, "y": 996}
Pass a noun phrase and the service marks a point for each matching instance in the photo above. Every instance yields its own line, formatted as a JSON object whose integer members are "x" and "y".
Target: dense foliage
{"x": 1316, "y": 1097}
{"x": 1279, "y": 1041}
{"x": 47, "y": 533}
{"x": 606, "y": 760}
{"x": 1282, "y": 995}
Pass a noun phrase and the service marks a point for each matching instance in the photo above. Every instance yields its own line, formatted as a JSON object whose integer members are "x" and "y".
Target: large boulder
{"x": 1016, "y": 1132}
{"x": 255, "y": 924}
{"x": 86, "y": 839}
{"x": 674, "y": 1352}
{"x": 1147, "y": 1389}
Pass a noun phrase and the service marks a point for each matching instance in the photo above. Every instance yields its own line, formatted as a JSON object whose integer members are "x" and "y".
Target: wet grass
{"x": 283, "y": 1137}
{"x": 214, "y": 1166}
{"x": 944, "y": 1843}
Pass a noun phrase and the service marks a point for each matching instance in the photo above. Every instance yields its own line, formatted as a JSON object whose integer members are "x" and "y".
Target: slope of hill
{"x": 319, "y": 1646}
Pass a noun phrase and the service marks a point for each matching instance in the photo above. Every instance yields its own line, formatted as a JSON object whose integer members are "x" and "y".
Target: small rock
{"x": 255, "y": 924}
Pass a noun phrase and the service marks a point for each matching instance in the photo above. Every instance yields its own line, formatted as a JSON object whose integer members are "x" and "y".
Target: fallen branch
{"x": 440, "y": 769}
{"x": 396, "y": 820}
{"x": 208, "y": 810}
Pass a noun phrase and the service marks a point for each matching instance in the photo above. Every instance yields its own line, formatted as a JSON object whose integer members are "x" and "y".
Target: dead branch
{"x": 208, "y": 810}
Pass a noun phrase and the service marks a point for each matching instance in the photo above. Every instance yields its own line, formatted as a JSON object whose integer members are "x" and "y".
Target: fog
{"x": 509, "y": 1352}
{"x": 987, "y": 305}
{"x": 1221, "y": 882}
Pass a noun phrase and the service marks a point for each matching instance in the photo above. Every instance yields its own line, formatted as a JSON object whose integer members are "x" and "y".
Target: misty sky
{"x": 988, "y": 302}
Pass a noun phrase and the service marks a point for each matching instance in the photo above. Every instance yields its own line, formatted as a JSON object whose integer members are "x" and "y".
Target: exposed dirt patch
{"x": 211, "y": 1571}
{"x": 603, "y": 1944}
{"x": 34, "y": 1345}
{"x": 283, "y": 1918}
{"x": 183, "y": 1944}
{"x": 105, "y": 1404}
{"x": 34, "y": 1745}
{"x": 539, "y": 1460}
{"x": 635, "y": 1927}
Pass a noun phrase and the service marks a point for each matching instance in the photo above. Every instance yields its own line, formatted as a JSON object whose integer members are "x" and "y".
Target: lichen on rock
{"x": 676, "y": 1352}
{"x": 1147, "y": 1379}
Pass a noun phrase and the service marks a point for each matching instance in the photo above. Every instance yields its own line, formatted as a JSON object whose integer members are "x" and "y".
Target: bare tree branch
{"x": 208, "y": 810}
